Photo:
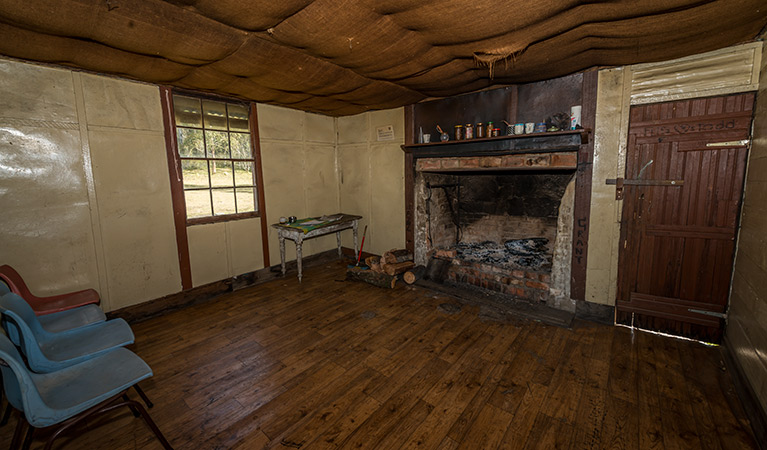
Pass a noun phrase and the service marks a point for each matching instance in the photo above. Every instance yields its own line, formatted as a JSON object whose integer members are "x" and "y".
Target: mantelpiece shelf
{"x": 552, "y": 141}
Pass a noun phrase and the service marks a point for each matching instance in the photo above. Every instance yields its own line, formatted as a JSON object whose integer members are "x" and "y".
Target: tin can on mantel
{"x": 459, "y": 132}
{"x": 469, "y": 131}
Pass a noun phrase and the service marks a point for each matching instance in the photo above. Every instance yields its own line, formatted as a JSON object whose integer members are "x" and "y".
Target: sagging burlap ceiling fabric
{"x": 340, "y": 57}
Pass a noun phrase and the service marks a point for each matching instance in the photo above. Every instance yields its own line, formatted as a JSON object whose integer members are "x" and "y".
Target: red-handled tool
{"x": 359, "y": 254}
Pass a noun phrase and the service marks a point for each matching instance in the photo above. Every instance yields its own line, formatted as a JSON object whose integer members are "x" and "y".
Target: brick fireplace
{"x": 531, "y": 241}
{"x": 503, "y": 224}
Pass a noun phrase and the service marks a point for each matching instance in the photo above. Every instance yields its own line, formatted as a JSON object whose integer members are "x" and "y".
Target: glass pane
{"x": 223, "y": 202}
{"x": 217, "y": 143}
{"x": 221, "y": 174}
{"x": 246, "y": 200}
{"x": 238, "y": 118}
{"x": 195, "y": 173}
{"x": 187, "y": 111}
{"x": 240, "y": 146}
{"x": 243, "y": 174}
{"x": 190, "y": 143}
{"x": 197, "y": 204}
{"x": 214, "y": 114}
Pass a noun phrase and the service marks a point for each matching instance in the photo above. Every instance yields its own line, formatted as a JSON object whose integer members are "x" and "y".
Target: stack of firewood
{"x": 385, "y": 270}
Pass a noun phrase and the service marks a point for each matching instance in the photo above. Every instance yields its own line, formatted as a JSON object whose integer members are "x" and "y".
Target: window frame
{"x": 178, "y": 160}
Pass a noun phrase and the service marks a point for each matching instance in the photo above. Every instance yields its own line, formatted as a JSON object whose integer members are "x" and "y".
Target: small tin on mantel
{"x": 459, "y": 132}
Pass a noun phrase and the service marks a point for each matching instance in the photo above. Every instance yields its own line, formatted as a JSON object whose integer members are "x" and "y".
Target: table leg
{"x": 356, "y": 250}
{"x": 299, "y": 255}
{"x": 338, "y": 241}
{"x": 282, "y": 254}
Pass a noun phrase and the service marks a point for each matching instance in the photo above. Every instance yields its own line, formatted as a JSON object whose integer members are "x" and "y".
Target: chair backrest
{"x": 17, "y": 381}
{"x": 14, "y": 281}
{"x": 4, "y": 288}
{"x": 19, "y": 321}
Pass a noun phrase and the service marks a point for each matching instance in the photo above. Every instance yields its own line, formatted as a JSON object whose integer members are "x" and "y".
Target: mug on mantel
{"x": 529, "y": 127}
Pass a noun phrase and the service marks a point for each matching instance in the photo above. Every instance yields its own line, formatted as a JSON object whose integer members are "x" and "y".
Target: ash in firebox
{"x": 530, "y": 253}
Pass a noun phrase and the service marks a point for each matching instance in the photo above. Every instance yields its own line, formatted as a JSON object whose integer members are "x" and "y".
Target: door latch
{"x": 620, "y": 183}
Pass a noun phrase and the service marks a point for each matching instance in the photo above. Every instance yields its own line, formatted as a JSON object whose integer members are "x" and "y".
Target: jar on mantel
{"x": 469, "y": 131}
{"x": 480, "y": 131}
{"x": 489, "y": 129}
{"x": 459, "y": 132}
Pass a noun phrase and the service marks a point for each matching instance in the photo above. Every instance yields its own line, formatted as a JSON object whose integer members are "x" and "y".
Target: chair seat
{"x": 72, "y": 318}
{"x": 78, "y": 345}
{"x": 96, "y": 379}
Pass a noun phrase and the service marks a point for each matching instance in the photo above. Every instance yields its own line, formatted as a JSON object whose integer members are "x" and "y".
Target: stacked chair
{"x": 74, "y": 363}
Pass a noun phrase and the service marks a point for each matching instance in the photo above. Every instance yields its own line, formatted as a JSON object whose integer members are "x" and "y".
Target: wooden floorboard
{"x": 334, "y": 364}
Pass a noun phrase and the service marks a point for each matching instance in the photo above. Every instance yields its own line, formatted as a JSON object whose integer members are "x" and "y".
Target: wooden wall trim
{"x": 409, "y": 180}
{"x": 201, "y": 294}
{"x": 259, "y": 182}
{"x": 582, "y": 207}
{"x": 176, "y": 188}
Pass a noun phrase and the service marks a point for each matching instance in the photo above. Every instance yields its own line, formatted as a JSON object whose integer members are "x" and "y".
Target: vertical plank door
{"x": 682, "y": 192}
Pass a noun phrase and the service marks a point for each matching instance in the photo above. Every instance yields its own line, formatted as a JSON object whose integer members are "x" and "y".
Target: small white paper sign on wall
{"x": 385, "y": 133}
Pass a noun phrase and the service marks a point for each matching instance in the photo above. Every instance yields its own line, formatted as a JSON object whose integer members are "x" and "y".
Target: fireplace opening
{"x": 507, "y": 232}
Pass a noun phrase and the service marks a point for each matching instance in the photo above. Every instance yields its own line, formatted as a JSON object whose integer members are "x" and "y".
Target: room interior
{"x": 546, "y": 282}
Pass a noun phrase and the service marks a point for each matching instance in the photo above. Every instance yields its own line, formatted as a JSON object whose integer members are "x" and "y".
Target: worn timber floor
{"x": 333, "y": 364}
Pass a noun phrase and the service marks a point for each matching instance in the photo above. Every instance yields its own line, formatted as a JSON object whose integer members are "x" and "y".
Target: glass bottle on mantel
{"x": 480, "y": 130}
{"x": 459, "y": 132}
{"x": 469, "y": 131}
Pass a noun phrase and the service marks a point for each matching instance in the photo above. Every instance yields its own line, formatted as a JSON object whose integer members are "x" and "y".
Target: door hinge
{"x": 708, "y": 313}
{"x": 740, "y": 143}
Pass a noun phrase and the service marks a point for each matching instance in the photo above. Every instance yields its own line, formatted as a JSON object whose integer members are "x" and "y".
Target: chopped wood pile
{"x": 386, "y": 269}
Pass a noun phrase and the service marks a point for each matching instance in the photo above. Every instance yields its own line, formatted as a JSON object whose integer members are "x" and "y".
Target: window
{"x": 215, "y": 149}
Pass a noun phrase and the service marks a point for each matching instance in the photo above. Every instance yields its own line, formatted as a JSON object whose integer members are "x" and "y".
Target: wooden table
{"x": 297, "y": 235}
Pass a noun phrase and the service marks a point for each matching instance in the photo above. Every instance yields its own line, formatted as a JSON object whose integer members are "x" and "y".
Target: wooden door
{"x": 682, "y": 192}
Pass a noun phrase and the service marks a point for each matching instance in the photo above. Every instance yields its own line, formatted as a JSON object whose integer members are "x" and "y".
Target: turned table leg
{"x": 299, "y": 255}
{"x": 282, "y": 253}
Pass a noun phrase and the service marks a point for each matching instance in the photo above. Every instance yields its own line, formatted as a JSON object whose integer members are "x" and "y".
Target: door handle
{"x": 620, "y": 183}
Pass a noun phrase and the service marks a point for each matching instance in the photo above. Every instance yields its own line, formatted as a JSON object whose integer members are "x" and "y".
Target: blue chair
{"x": 68, "y": 396}
{"x": 49, "y": 352}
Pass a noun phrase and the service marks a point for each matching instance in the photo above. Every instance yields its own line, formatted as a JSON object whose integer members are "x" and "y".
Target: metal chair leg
{"x": 7, "y": 415}
{"x": 22, "y": 421}
{"x": 106, "y": 406}
{"x": 132, "y": 409}
{"x": 143, "y": 396}
{"x": 28, "y": 438}
{"x": 165, "y": 444}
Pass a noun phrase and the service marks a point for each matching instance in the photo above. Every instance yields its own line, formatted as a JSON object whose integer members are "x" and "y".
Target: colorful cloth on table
{"x": 312, "y": 223}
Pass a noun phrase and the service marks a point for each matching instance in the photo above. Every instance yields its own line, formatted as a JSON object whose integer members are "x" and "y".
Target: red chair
{"x": 46, "y": 305}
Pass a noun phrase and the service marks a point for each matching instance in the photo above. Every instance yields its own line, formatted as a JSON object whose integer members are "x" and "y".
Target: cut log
{"x": 368, "y": 276}
{"x": 395, "y": 256}
{"x": 413, "y": 275}
{"x": 371, "y": 260}
{"x": 397, "y": 268}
